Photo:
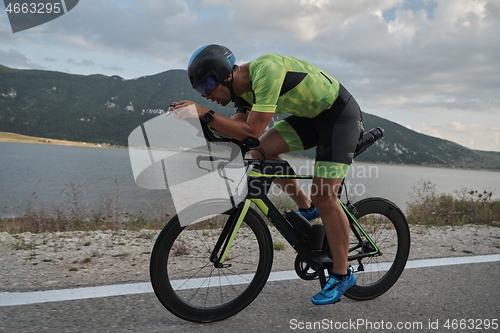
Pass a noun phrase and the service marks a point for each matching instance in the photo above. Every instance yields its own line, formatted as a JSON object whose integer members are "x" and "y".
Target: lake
{"x": 46, "y": 176}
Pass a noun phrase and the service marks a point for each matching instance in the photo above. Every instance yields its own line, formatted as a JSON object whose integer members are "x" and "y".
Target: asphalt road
{"x": 423, "y": 300}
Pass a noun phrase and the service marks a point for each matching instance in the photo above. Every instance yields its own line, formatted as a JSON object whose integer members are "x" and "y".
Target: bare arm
{"x": 255, "y": 125}
{"x": 239, "y": 127}
{"x": 240, "y": 116}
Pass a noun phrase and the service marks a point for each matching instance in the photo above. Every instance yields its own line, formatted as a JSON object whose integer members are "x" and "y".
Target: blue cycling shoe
{"x": 310, "y": 214}
{"x": 334, "y": 289}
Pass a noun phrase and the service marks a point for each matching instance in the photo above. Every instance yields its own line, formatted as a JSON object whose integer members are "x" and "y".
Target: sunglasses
{"x": 206, "y": 86}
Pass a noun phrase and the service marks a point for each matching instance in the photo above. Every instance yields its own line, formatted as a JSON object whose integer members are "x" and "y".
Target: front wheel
{"x": 189, "y": 284}
{"x": 377, "y": 271}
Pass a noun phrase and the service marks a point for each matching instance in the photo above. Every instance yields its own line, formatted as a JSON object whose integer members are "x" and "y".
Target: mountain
{"x": 93, "y": 108}
{"x": 105, "y": 109}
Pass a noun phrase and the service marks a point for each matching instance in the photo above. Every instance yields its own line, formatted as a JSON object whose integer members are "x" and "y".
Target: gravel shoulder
{"x": 46, "y": 261}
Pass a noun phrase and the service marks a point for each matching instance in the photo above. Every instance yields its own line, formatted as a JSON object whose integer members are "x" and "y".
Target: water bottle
{"x": 301, "y": 225}
{"x": 368, "y": 139}
{"x": 316, "y": 237}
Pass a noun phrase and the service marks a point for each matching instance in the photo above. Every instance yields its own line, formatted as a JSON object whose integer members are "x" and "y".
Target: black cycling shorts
{"x": 334, "y": 132}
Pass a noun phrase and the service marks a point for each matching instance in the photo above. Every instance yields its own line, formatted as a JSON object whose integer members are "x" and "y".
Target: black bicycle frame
{"x": 259, "y": 182}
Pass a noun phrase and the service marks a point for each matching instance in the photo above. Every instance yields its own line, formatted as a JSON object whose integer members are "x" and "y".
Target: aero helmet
{"x": 211, "y": 62}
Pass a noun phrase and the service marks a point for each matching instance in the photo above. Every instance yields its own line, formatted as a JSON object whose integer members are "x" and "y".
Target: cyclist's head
{"x": 209, "y": 66}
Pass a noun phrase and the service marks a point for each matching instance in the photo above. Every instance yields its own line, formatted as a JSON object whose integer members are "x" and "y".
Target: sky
{"x": 430, "y": 65}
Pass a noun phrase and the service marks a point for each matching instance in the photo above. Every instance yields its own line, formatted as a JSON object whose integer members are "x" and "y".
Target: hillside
{"x": 104, "y": 109}
{"x": 92, "y": 108}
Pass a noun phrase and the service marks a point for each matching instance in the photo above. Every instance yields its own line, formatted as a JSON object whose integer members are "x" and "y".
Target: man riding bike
{"x": 323, "y": 115}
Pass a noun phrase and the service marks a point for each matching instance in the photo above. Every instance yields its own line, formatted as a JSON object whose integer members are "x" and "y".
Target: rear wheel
{"x": 386, "y": 226}
{"x": 189, "y": 284}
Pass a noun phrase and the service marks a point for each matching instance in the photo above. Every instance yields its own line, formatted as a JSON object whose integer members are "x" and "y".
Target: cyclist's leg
{"x": 293, "y": 134}
{"x": 324, "y": 196}
{"x": 339, "y": 130}
{"x": 273, "y": 143}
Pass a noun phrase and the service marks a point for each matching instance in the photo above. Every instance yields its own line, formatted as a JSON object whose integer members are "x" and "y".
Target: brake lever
{"x": 222, "y": 176}
{"x": 201, "y": 158}
{"x": 221, "y": 167}
{"x": 202, "y": 168}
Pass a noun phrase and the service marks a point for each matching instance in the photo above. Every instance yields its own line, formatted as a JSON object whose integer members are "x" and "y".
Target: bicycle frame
{"x": 259, "y": 182}
{"x": 239, "y": 264}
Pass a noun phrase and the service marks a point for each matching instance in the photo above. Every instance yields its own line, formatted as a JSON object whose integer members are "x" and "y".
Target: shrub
{"x": 464, "y": 207}
{"x": 279, "y": 246}
{"x": 74, "y": 214}
{"x": 180, "y": 248}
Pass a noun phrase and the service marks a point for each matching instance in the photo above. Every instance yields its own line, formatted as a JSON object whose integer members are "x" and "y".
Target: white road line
{"x": 23, "y": 298}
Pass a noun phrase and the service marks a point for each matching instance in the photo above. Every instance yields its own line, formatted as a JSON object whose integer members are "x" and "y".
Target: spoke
{"x": 195, "y": 273}
{"x": 201, "y": 285}
{"x": 380, "y": 230}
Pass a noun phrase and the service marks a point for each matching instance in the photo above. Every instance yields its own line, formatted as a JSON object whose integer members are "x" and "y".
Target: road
{"x": 425, "y": 299}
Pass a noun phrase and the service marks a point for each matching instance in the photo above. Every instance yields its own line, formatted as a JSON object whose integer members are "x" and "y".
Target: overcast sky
{"x": 430, "y": 65}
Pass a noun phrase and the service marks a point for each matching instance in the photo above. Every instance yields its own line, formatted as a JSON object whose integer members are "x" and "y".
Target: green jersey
{"x": 282, "y": 84}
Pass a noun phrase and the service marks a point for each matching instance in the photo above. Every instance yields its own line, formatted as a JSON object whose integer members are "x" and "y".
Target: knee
{"x": 323, "y": 200}
{"x": 325, "y": 196}
{"x": 327, "y": 206}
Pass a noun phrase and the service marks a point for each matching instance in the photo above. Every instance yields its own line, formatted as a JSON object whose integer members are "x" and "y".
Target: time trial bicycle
{"x": 214, "y": 268}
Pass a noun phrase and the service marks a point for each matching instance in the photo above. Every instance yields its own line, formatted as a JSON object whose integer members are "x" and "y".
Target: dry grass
{"x": 13, "y": 137}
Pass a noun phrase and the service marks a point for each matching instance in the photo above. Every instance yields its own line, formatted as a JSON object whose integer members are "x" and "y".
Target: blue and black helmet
{"x": 211, "y": 61}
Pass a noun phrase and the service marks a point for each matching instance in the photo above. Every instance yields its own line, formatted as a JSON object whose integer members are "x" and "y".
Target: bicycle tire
{"x": 189, "y": 285}
{"x": 386, "y": 225}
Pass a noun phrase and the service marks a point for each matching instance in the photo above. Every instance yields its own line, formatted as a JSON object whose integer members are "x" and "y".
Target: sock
{"x": 339, "y": 276}
{"x": 310, "y": 209}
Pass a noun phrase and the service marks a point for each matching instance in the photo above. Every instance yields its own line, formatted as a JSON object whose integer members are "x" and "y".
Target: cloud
{"x": 481, "y": 137}
{"x": 415, "y": 56}
{"x": 458, "y": 127}
{"x": 16, "y": 59}
{"x": 84, "y": 62}
{"x": 429, "y": 130}
{"x": 90, "y": 63}
{"x": 113, "y": 68}
{"x": 471, "y": 129}
{"x": 401, "y": 59}
{"x": 146, "y": 27}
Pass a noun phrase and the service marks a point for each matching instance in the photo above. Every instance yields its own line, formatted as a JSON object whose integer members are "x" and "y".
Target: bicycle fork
{"x": 230, "y": 229}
